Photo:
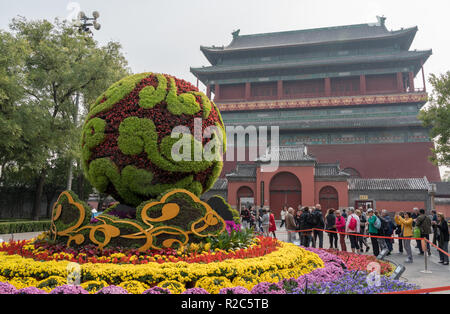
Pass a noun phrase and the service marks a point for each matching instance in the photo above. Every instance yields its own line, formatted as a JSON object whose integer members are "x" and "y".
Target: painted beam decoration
{"x": 325, "y": 102}
{"x": 154, "y": 143}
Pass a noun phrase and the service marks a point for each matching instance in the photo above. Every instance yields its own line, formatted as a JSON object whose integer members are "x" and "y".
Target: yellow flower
{"x": 174, "y": 286}
{"x": 134, "y": 286}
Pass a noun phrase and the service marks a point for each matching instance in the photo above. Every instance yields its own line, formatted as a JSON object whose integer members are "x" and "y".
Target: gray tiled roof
{"x": 389, "y": 184}
{"x": 442, "y": 200}
{"x": 442, "y": 188}
{"x": 313, "y": 36}
{"x": 329, "y": 170}
{"x": 244, "y": 170}
{"x": 220, "y": 184}
{"x": 396, "y": 56}
{"x": 287, "y": 153}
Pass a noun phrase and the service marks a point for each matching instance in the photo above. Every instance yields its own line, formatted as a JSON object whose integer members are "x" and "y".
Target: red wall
{"x": 381, "y": 83}
{"x": 232, "y": 91}
{"x": 398, "y": 206}
{"x": 445, "y": 209}
{"x": 398, "y": 160}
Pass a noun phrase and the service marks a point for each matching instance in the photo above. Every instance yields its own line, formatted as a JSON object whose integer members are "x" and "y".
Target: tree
{"x": 11, "y": 92}
{"x": 59, "y": 63}
{"x": 437, "y": 117}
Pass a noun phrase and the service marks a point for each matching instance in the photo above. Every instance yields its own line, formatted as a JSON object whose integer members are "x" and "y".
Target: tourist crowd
{"x": 356, "y": 222}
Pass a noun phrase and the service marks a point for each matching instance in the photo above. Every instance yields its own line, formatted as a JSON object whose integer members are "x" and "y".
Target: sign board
{"x": 364, "y": 197}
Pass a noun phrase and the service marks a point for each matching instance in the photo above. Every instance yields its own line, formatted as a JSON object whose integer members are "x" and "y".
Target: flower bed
{"x": 357, "y": 262}
{"x": 287, "y": 261}
{"x": 356, "y": 282}
{"x": 329, "y": 279}
{"x": 91, "y": 254}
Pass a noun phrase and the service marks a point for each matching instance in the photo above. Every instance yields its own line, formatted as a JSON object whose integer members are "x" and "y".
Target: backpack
{"x": 384, "y": 226}
{"x": 352, "y": 224}
{"x": 315, "y": 219}
{"x": 416, "y": 232}
{"x": 377, "y": 223}
{"x": 363, "y": 218}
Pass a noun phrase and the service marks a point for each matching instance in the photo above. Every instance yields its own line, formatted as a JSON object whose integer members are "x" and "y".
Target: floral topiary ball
{"x": 149, "y": 133}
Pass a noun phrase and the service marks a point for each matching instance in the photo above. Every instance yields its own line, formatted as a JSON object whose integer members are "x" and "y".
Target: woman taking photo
{"x": 406, "y": 224}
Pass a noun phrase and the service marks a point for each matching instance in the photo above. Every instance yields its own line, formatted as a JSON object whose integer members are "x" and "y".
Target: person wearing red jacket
{"x": 272, "y": 225}
{"x": 340, "y": 226}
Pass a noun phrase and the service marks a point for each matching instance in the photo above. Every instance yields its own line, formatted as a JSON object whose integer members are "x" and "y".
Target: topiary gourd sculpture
{"x": 155, "y": 143}
{"x": 128, "y": 140}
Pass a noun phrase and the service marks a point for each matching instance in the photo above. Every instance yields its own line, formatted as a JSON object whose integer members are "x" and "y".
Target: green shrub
{"x": 24, "y": 226}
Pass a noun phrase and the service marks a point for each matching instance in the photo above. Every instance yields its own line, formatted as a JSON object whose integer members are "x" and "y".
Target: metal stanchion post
{"x": 425, "y": 254}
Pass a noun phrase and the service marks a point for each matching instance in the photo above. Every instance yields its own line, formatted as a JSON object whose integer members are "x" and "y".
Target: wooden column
{"x": 400, "y": 86}
{"x": 248, "y": 90}
{"x": 362, "y": 84}
{"x": 280, "y": 89}
{"x": 208, "y": 91}
{"x": 217, "y": 92}
{"x": 411, "y": 82}
{"x": 424, "y": 81}
{"x": 327, "y": 87}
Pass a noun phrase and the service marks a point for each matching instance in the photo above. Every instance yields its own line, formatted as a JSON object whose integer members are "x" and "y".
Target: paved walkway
{"x": 439, "y": 276}
{"x": 19, "y": 236}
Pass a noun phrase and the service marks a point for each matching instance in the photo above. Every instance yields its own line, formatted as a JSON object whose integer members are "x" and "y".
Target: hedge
{"x": 25, "y": 226}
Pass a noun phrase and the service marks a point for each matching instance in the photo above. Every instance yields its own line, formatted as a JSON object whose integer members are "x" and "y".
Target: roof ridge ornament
{"x": 236, "y": 33}
{"x": 381, "y": 20}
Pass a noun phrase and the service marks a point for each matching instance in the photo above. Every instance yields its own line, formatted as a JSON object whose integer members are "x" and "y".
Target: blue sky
{"x": 165, "y": 35}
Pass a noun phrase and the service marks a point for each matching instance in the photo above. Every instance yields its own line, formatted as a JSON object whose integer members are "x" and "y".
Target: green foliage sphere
{"x": 130, "y": 149}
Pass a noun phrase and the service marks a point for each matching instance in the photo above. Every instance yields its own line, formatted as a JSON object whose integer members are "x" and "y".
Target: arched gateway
{"x": 328, "y": 198}
{"x": 285, "y": 189}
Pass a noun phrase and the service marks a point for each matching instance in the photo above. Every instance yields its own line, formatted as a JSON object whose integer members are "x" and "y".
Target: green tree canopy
{"x": 44, "y": 68}
{"x": 437, "y": 117}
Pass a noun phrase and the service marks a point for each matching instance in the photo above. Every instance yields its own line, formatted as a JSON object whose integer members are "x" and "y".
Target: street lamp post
{"x": 83, "y": 23}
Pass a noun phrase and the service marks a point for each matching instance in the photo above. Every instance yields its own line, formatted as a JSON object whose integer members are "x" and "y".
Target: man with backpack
{"x": 318, "y": 223}
{"x": 305, "y": 223}
{"x": 353, "y": 226}
{"x": 424, "y": 224}
{"x": 387, "y": 224}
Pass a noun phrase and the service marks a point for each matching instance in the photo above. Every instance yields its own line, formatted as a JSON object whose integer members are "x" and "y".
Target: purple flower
{"x": 231, "y": 225}
{"x": 195, "y": 291}
{"x": 156, "y": 290}
{"x": 234, "y": 290}
{"x": 112, "y": 290}
{"x": 31, "y": 290}
{"x": 7, "y": 288}
{"x": 69, "y": 289}
{"x": 268, "y": 288}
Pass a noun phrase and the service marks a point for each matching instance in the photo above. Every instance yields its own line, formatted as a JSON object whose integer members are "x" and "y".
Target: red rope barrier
{"x": 419, "y": 291}
{"x": 366, "y": 236}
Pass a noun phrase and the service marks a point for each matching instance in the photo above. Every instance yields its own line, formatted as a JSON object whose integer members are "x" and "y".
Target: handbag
{"x": 416, "y": 232}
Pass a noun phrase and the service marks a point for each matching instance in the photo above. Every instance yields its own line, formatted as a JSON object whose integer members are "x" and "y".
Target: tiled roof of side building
{"x": 244, "y": 170}
{"x": 330, "y": 170}
{"x": 409, "y": 184}
{"x": 287, "y": 153}
{"x": 313, "y": 36}
{"x": 442, "y": 188}
{"x": 220, "y": 185}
